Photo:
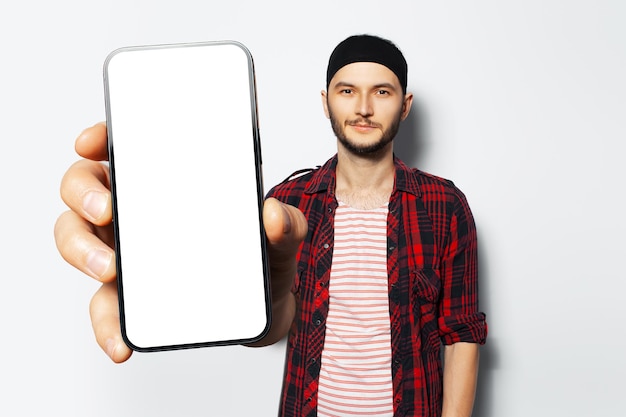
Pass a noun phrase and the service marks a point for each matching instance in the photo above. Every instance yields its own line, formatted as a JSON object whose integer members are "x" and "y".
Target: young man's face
{"x": 365, "y": 105}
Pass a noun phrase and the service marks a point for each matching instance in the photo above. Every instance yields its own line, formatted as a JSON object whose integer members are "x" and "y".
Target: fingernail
{"x": 98, "y": 261}
{"x": 110, "y": 347}
{"x": 95, "y": 203}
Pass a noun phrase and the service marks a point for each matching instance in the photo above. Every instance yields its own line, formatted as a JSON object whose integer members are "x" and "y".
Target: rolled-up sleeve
{"x": 459, "y": 317}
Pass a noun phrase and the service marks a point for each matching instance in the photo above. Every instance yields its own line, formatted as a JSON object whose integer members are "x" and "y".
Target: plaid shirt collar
{"x": 324, "y": 178}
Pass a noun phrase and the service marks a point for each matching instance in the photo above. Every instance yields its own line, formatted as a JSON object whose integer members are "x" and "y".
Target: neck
{"x": 365, "y": 182}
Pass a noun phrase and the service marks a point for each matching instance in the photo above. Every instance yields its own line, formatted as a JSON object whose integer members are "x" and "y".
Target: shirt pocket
{"x": 425, "y": 298}
{"x": 426, "y": 285}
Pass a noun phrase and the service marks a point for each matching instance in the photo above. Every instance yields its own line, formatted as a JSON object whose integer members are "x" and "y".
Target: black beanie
{"x": 368, "y": 48}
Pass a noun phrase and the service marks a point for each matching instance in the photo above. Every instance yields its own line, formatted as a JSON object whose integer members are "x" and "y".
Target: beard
{"x": 369, "y": 148}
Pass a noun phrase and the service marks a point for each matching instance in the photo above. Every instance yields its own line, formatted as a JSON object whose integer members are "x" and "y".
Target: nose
{"x": 364, "y": 106}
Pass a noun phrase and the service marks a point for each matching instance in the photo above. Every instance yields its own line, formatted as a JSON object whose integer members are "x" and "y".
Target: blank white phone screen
{"x": 187, "y": 186}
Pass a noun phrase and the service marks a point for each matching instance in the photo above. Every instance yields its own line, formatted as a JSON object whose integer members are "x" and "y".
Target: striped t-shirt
{"x": 355, "y": 375}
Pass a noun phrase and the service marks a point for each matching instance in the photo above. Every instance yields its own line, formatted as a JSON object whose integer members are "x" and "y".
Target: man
{"x": 373, "y": 264}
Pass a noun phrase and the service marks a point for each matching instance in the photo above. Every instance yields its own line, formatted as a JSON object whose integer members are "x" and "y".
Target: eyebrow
{"x": 386, "y": 85}
{"x": 389, "y": 86}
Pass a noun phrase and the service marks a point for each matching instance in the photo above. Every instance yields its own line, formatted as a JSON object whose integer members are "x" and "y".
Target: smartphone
{"x": 187, "y": 189}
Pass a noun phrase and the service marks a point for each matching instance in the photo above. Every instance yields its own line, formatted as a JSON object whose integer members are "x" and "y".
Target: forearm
{"x": 459, "y": 379}
{"x": 285, "y": 227}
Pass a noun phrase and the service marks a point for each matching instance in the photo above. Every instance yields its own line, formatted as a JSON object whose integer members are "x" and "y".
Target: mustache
{"x": 363, "y": 122}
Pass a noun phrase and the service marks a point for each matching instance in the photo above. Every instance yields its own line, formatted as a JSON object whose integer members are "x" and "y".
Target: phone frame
{"x": 259, "y": 191}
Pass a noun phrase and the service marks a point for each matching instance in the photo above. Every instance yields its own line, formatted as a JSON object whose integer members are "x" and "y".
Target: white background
{"x": 521, "y": 103}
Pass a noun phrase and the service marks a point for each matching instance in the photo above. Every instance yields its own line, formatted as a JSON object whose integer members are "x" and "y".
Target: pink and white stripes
{"x": 355, "y": 376}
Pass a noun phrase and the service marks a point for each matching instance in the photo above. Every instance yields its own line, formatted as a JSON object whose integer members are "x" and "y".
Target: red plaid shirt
{"x": 433, "y": 297}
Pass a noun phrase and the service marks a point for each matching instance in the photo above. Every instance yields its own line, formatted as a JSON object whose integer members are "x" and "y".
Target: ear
{"x": 406, "y": 105}
{"x": 325, "y": 103}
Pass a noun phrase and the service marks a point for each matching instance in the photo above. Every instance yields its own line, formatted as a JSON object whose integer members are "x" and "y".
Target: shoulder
{"x": 444, "y": 202}
{"x": 425, "y": 185}
{"x": 443, "y": 197}
{"x": 433, "y": 185}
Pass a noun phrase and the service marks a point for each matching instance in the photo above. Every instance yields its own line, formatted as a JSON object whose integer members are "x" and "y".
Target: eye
{"x": 346, "y": 91}
{"x": 382, "y": 92}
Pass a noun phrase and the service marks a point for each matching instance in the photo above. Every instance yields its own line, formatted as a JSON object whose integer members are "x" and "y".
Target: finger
{"x": 105, "y": 319}
{"x": 79, "y": 244}
{"x": 85, "y": 189}
{"x": 92, "y": 143}
{"x": 285, "y": 228}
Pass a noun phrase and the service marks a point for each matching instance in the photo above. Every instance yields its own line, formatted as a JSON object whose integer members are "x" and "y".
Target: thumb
{"x": 285, "y": 228}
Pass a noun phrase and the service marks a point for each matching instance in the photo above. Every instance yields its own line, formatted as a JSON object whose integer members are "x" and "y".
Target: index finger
{"x": 92, "y": 142}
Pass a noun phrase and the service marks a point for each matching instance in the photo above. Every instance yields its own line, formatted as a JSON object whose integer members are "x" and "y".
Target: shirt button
{"x": 391, "y": 248}
{"x": 317, "y": 318}
{"x": 326, "y": 246}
